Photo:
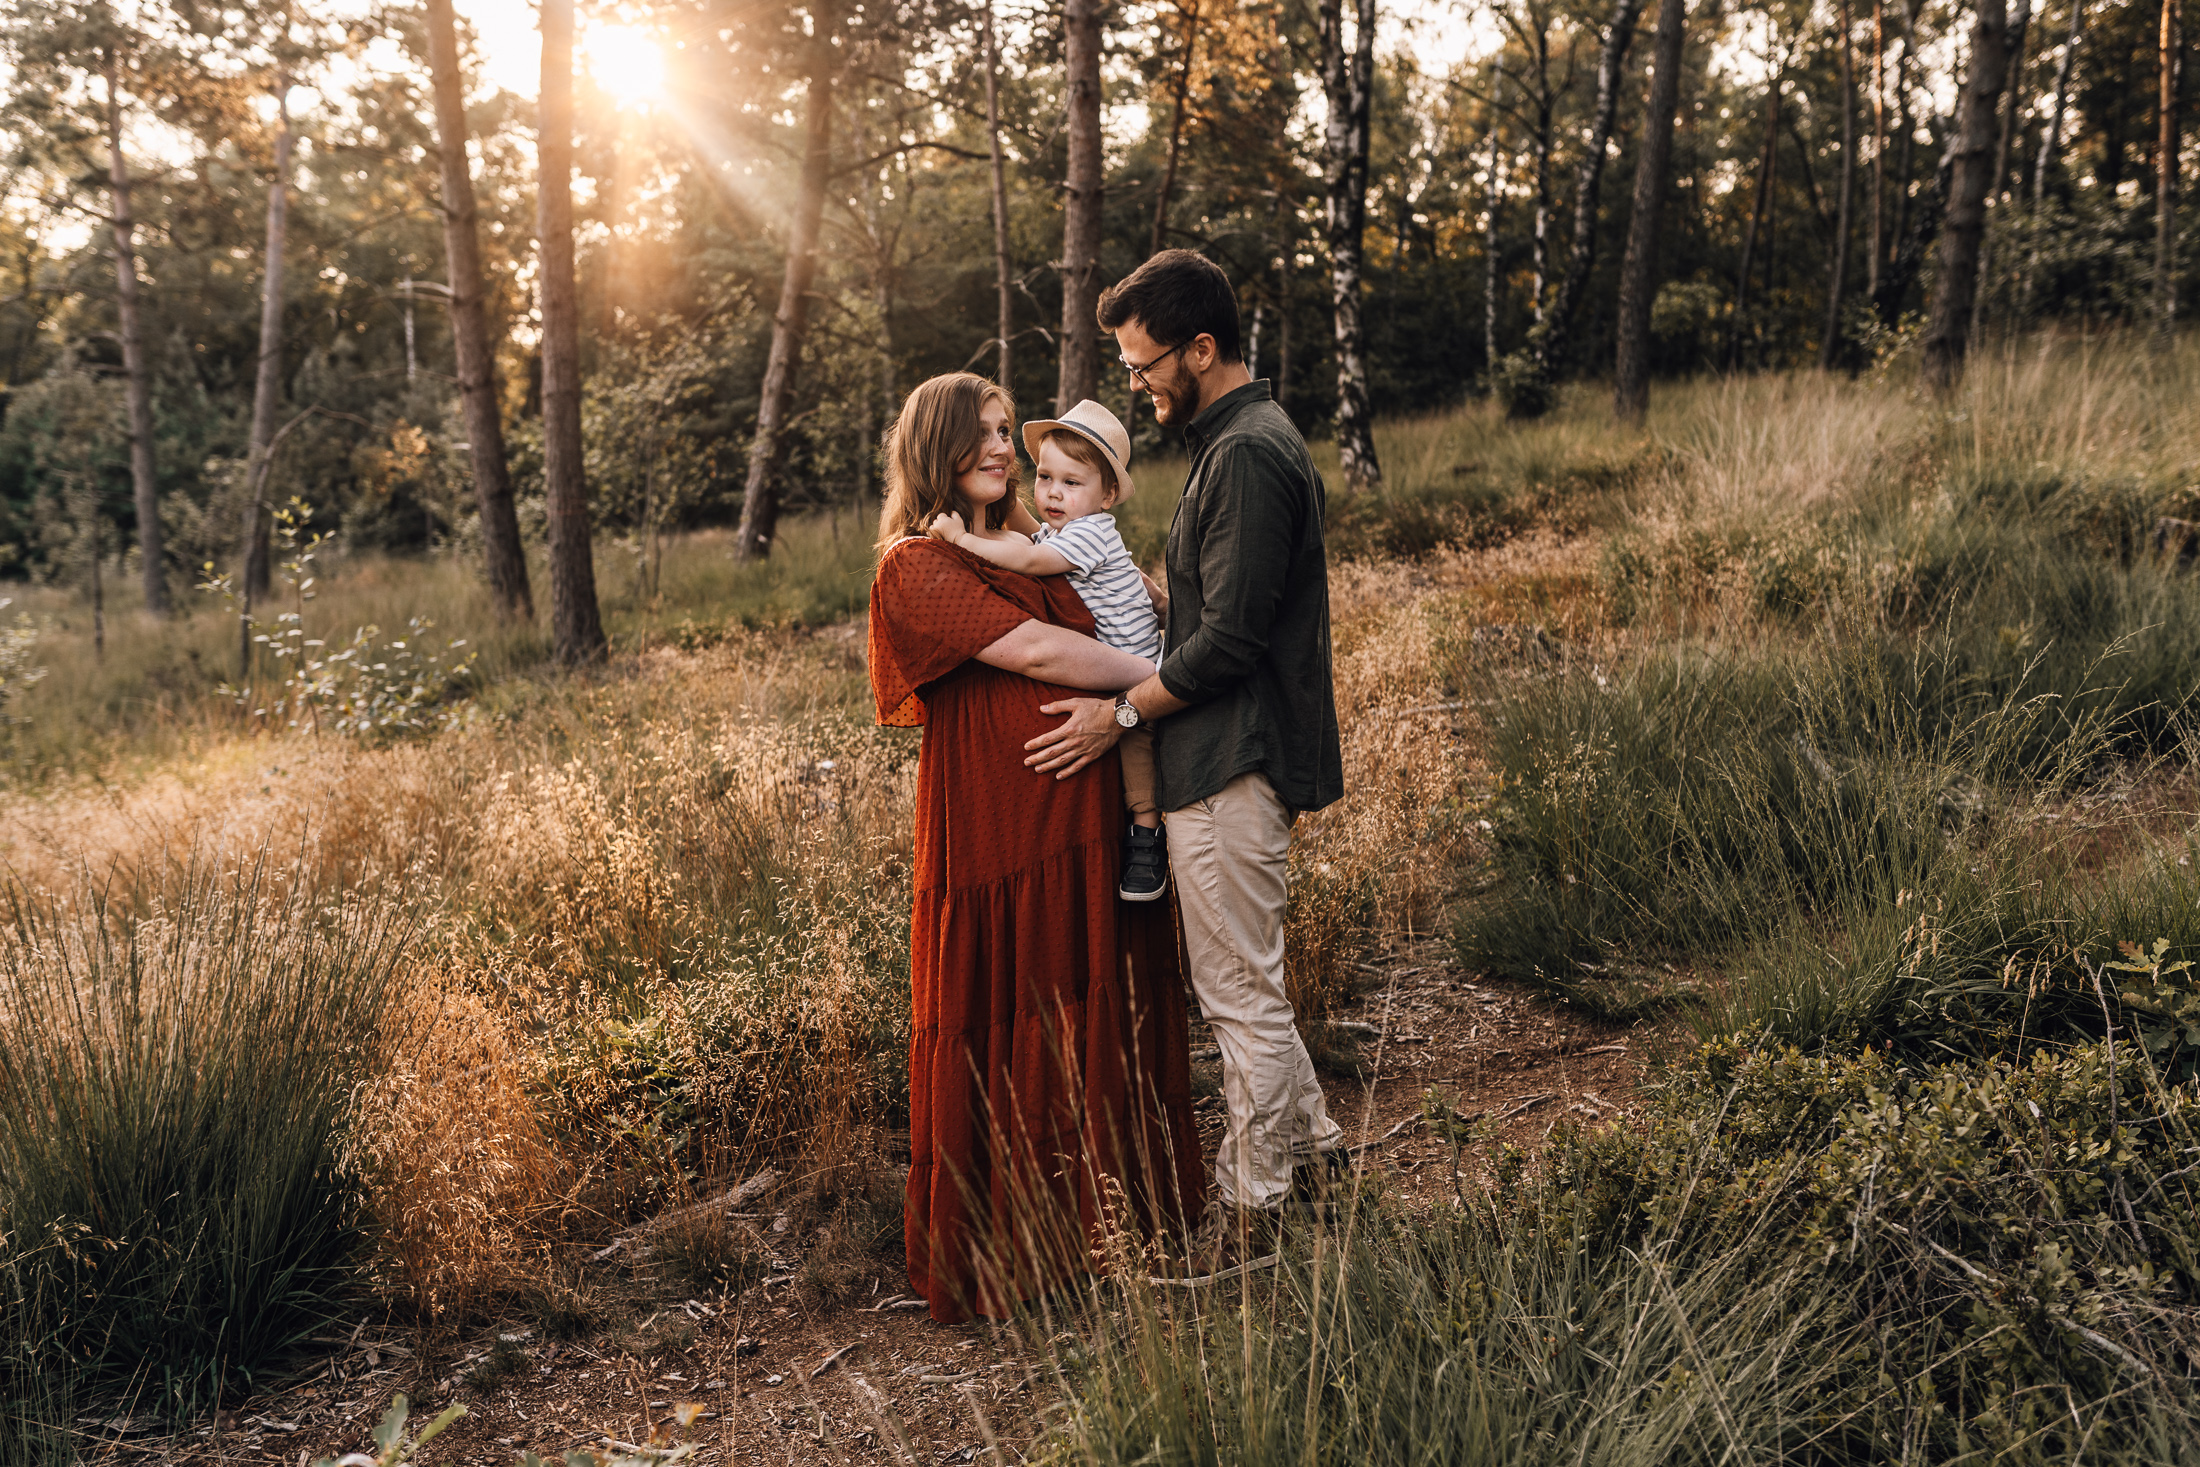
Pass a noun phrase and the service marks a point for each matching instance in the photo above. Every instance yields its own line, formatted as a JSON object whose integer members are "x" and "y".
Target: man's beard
{"x": 1182, "y": 398}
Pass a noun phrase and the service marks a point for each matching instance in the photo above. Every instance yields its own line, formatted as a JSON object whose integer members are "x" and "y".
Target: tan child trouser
{"x": 1136, "y": 747}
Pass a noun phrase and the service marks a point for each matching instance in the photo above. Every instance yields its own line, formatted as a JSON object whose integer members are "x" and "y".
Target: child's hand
{"x": 1158, "y": 596}
{"x": 948, "y": 527}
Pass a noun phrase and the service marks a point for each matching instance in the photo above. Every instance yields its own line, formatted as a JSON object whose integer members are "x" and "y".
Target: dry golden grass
{"x": 462, "y": 1179}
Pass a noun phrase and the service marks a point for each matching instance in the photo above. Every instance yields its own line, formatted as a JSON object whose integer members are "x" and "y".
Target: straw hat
{"x": 1095, "y": 423}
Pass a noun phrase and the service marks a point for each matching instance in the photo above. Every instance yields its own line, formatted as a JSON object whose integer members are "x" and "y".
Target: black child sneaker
{"x": 1145, "y": 865}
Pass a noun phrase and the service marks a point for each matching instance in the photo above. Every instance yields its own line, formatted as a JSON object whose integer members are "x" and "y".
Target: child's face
{"x": 1066, "y": 489}
{"x": 986, "y": 479}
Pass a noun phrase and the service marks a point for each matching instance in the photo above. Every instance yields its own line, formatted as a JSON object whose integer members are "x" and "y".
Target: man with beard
{"x": 1244, "y": 715}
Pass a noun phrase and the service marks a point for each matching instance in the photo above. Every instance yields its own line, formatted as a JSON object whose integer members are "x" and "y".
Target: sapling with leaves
{"x": 369, "y": 689}
{"x": 2161, "y": 1001}
{"x": 18, "y": 640}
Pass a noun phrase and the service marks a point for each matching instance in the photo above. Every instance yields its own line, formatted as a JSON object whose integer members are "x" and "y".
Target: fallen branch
{"x": 748, "y": 1191}
{"x": 1269, "y": 1260}
{"x": 831, "y": 1360}
{"x": 1525, "y": 1104}
{"x": 1403, "y": 1126}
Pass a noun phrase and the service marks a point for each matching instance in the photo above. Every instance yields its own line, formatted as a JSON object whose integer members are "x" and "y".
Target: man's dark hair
{"x": 1175, "y": 296}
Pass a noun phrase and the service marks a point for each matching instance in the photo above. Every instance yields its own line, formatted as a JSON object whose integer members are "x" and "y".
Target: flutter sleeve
{"x": 931, "y": 611}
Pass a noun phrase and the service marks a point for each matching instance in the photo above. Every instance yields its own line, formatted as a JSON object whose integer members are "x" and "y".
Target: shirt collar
{"x": 1215, "y": 416}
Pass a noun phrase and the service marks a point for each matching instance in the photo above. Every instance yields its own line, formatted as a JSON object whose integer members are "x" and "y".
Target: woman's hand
{"x": 948, "y": 527}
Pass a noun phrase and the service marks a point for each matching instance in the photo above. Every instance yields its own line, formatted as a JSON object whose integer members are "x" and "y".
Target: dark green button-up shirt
{"x": 1248, "y": 642}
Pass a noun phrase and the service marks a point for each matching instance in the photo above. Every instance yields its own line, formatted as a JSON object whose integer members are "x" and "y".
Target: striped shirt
{"x": 1101, "y": 571}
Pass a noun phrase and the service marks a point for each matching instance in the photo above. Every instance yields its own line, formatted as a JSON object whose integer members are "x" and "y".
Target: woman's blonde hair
{"x": 937, "y": 437}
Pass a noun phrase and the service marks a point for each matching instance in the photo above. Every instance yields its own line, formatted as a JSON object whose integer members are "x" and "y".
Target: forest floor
{"x": 875, "y": 1379}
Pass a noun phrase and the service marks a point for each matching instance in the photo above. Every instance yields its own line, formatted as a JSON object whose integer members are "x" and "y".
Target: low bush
{"x": 176, "y": 1073}
{"x": 1690, "y": 801}
{"x": 1795, "y": 1258}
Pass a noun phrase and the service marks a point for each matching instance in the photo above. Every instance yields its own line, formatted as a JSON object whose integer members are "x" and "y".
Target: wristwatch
{"x": 1126, "y": 712}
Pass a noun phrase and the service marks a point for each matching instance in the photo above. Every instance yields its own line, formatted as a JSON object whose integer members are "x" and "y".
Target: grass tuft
{"x": 177, "y": 1071}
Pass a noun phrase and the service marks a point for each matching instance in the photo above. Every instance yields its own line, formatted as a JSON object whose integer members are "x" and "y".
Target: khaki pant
{"x": 1136, "y": 748}
{"x": 1227, "y": 857}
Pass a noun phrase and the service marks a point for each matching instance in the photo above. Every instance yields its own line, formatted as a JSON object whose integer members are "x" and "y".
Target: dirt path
{"x": 779, "y": 1381}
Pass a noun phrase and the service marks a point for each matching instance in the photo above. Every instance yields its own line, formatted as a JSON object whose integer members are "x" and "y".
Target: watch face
{"x": 1126, "y": 715}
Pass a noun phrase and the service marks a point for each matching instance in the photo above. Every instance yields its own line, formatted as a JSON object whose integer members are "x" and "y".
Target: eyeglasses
{"x": 1138, "y": 373}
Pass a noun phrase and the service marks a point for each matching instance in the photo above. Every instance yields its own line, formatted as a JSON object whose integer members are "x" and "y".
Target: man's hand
{"x": 948, "y": 527}
{"x": 1090, "y": 732}
{"x": 1157, "y": 595}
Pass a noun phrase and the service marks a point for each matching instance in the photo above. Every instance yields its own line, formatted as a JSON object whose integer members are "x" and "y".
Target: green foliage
{"x": 178, "y": 1210}
{"x": 1522, "y": 386}
{"x": 1688, "y": 801}
{"x": 18, "y": 643}
{"x": 1688, "y": 317}
{"x": 1792, "y": 1258}
{"x": 392, "y": 1447}
{"x": 369, "y": 689}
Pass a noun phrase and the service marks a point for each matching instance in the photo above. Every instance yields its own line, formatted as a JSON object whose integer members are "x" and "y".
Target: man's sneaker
{"x": 1322, "y": 1186}
{"x": 1145, "y": 865}
{"x": 1229, "y": 1242}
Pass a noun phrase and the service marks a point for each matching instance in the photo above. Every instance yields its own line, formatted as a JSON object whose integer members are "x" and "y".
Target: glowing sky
{"x": 1440, "y": 31}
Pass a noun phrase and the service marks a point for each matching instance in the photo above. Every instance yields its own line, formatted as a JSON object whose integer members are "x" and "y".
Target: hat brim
{"x": 1035, "y": 433}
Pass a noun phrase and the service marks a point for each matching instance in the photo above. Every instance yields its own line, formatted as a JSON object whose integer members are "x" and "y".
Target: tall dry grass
{"x": 660, "y": 917}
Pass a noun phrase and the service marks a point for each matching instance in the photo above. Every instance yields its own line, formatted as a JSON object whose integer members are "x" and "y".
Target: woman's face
{"x": 985, "y": 478}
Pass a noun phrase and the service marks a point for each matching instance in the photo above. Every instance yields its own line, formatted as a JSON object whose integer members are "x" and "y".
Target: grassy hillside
{"x": 1843, "y": 733}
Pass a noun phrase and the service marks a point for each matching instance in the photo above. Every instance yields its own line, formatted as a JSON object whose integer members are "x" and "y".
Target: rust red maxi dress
{"x": 1048, "y": 1049}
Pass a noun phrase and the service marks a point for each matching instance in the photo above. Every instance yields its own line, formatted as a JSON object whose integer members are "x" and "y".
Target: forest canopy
{"x": 1812, "y": 156}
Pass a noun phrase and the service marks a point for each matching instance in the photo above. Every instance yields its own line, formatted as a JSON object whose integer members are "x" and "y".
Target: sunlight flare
{"x": 626, "y": 63}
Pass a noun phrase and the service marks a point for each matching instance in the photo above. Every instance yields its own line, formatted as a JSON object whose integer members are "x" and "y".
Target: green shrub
{"x": 176, "y": 1071}
{"x": 1689, "y": 801}
{"x": 1794, "y": 1258}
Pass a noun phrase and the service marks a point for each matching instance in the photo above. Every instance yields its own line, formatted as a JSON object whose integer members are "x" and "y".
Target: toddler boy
{"x": 1083, "y": 460}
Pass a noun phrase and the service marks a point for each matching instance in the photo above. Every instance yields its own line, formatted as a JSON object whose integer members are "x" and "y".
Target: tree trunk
{"x": 576, "y": 627}
{"x": 1490, "y": 196}
{"x": 1176, "y": 131}
{"x": 1829, "y": 345}
{"x": 1348, "y": 79}
{"x": 760, "y": 501}
{"x": 1638, "y": 271}
{"x": 2165, "y": 182}
{"x": 1541, "y": 146}
{"x": 1588, "y": 183}
{"x": 1998, "y": 189}
{"x": 1766, "y": 176}
{"x": 1948, "y": 323}
{"x": 1003, "y": 280}
{"x": 1082, "y": 187}
{"x": 1287, "y": 238}
{"x": 2051, "y": 141}
{"x": 1879, "y": 148}
{"x": 268, "y": 381}
{"x": 1905, "y": 171}
{"x": 153, "y": 568}
{"x": 503, "y": 558}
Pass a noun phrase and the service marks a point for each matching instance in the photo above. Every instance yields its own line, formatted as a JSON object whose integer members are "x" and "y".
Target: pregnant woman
{"x": 1049, "y": 1083}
